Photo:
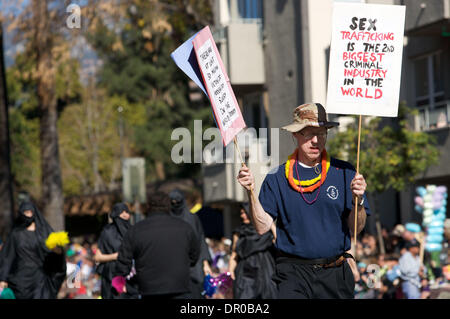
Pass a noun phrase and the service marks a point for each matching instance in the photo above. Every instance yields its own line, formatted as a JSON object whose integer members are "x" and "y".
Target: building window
{"x": 434, "y": 110}
{"x": 250, "y": 9}
{"x": 254, "y": 112}
{"x": 256, "y": 118}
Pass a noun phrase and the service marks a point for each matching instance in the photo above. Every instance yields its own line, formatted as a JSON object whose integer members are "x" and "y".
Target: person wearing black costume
{"x": 252, "y": 262}
{"x": 109, "y": 243}
{"x": 163, "y": 247}
{"x": 28, "y": 267}
{"x": 202, "y": 268}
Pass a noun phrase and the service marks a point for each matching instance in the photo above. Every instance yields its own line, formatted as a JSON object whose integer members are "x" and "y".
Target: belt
{"x": 320, "y": 262}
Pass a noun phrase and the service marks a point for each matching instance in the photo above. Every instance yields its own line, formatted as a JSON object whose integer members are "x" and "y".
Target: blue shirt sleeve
{"x": 267, "y": 196}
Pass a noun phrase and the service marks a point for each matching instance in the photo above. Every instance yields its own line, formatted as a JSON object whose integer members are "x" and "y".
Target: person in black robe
{"x": 28, "y": 267}
{"x": 106, "y": 255}
{"x": 202, "y": 268}
{"x": 252, "y": 261}
{"x": 163, "y": 248}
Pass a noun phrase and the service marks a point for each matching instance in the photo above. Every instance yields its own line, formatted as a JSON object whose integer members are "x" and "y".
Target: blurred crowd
{"x": 83, "y": 282}
{"x": 379, "y": 274}
{"x": 380, "y": 270}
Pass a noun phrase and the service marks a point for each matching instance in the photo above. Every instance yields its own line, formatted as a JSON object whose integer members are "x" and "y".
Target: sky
{"x": 81, "y": 50}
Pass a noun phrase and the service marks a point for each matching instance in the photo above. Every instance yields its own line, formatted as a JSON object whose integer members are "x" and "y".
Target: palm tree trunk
{"x": 52, "y": 194}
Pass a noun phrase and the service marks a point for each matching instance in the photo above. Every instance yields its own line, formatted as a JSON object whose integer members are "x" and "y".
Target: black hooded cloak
{"x": 109, "y": 242}
{"x": 179, "y": 209}
{"x": 255, "y": 264}
{"x": 31, "y": 270}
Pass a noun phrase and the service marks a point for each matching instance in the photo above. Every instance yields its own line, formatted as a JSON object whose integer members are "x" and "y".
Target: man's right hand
{"x": 245, "y": 178}
{"x": 3, "y": 284}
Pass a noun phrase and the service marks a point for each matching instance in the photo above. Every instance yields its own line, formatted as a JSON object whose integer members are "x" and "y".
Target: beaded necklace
{"x": 308, "y": 185}
{"x": 312, "y": 184}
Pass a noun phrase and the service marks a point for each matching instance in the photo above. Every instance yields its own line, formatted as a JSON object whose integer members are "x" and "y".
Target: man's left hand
{"x": 358, "y": 186}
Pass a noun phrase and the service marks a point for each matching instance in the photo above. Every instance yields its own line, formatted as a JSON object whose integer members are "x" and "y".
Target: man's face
{"x": 311, "y": 141}
{"x": 415, "y": 250}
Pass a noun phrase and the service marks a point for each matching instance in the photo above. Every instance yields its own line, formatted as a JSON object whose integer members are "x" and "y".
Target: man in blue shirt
{"x": 311, "y": 201}
{"x": 410, "y": 268}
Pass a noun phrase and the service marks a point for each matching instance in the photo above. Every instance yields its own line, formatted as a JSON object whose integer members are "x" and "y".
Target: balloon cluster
{"x": 221, "y": 284}
{"x": 432, "y": 203}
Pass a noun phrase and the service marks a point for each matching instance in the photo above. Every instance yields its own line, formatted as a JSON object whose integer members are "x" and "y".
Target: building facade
{"x": 276, "y": 54}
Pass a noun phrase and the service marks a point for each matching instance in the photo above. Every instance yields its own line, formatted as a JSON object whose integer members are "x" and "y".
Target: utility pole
{"x": 6, "y": 193}
{"x": 120, "y": 110}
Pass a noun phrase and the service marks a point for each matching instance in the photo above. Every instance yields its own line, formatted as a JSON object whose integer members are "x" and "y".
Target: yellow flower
{"x": 196, "y": 208}
{"x": 57, "y": 239}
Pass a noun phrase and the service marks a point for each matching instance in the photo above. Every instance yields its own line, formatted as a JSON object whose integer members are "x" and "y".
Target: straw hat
{"x": 310, "y": 114}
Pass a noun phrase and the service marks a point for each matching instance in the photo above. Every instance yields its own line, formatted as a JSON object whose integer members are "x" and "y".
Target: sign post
{"x": 365, "y": 63}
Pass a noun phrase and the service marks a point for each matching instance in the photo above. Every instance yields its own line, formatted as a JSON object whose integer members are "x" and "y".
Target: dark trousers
{"x": 300, "y": 281}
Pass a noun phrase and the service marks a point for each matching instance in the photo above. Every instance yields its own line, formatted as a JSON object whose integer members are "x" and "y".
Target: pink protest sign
{"x": 225, "y": 107}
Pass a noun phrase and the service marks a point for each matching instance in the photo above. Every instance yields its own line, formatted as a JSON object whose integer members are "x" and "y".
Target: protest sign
{"x": 365, "y": 59}
{"x": 184, "y": 57}
{"x": 225, "y": 107}
{"x": 199, "y": 58}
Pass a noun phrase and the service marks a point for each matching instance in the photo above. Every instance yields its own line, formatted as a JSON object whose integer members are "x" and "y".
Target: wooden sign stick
{"x": 357, "y": 172}
{"x": 421, "y": 237}
{"x": 239, "y": 151}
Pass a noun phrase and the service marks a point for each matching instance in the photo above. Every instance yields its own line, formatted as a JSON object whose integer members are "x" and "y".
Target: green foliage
{"x": 137, "y": 65}
{"x": 68, "y": 87}
{"x": 90, "y": 143}
{"x": 21, "y": 86}
{"x": 391, "y": 156}
{"x": 25, "y": 152}
{"x": 24, "y": 117}
{"x": 137, "y": 74}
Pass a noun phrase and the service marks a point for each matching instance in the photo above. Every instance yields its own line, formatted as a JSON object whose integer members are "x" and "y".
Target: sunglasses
{"x": 309, "y": 136}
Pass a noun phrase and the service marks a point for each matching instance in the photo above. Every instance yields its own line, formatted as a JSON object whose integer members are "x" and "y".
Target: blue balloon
{"x": 418, "y": 209}
{"x": 421, "y": 191}
{"x": 412, "y": 227}
{"x": 435, "y": 238}
{"x": 435, "y": 230}
{"x": 440, "y": 216}
{"x": 436, "y": 223}
{"x": 433, "y": 247}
